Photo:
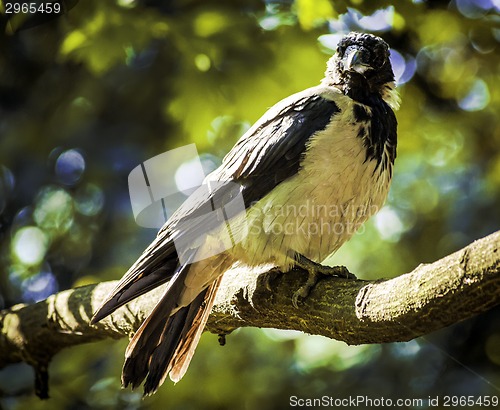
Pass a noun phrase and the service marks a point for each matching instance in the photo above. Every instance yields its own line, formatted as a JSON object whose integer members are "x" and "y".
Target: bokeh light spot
{"x": 270, "y": 22}
{"x": 409, "y": 70}
{"x": 202, "y": 62}
{"x": 209, "y": 23}
{"x": 89, "y": 200}
{"x": 381, "y": 20}
{"x": 30, "y": 245}
{"x": 70, "y": 166}
{"x": 39, "y": 286}
{"x": 398, "y": 64}
{"x": 473, "y": 8}
{"x": 54, "y": 210}
{"x": 406, "y": 349}
{"x": 389, "y": 224}
{"x": 477, "y": 98}
{"x": 315, "y": 351}
{"x": 127, "y": 4}
{"x": 330, "y": 41}
{"x": 188, "y": 175}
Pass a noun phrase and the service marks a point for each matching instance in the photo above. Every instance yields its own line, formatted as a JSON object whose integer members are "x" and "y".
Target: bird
{"x": 310, "y": 172}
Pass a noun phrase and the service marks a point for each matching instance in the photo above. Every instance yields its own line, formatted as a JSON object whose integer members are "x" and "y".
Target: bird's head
{"x": 361, "y": 67}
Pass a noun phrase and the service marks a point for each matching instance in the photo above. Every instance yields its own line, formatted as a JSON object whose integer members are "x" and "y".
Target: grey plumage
{"x": 328, "y": 148}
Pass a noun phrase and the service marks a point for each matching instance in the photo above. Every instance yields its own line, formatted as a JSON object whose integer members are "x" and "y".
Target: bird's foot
{"x": 270, "y": 276}
{"x": 315, "y": 271}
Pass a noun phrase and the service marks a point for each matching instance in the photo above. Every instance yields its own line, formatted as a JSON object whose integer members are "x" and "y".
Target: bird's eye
{"x": 381, "y": 57}
{"x": 377, "y": 62}
{"x": 366, "y": 55}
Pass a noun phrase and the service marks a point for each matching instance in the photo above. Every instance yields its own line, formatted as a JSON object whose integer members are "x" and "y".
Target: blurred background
{"x": 88, "y": 95}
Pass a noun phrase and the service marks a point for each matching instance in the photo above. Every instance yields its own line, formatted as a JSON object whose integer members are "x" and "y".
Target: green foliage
{"x": 89, "y": 95}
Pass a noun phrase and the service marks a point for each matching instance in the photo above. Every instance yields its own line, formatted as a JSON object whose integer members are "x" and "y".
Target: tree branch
{"x": 430, "y": 297}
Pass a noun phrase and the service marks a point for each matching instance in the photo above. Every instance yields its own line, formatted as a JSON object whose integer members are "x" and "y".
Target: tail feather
{"x": 161, "y": 348}
{"x": 189, "y": 342}
{"x": 137, "y": 366}
{"x": 122, "y": 295}
{"x": 160, "y": 359}
{"x": 150, "y": 330}
{"x": 165, "y": 342}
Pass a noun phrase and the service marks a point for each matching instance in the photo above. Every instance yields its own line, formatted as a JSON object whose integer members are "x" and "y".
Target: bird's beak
{"x": 354, "y": 60}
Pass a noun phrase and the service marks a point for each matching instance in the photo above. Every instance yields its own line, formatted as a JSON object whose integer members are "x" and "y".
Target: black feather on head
{"x": 361, "y": 66}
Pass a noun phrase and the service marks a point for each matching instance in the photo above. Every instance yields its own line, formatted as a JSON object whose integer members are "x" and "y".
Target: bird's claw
{"x": 315, "y": 270}
{"x": 305, "y": 289}
{"x": 270, "y": 276}
{"x": 336, "y": 271}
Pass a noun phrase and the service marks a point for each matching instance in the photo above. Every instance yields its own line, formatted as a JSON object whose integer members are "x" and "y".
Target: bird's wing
{"x": 266, "y": 155}
{"x": 272, "y": 150}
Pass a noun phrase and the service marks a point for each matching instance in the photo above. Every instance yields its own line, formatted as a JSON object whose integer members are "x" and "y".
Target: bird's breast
{"x": 336, "y": 189}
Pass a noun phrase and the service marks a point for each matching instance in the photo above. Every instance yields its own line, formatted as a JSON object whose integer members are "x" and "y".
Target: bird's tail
{"x": 162, "y": 348}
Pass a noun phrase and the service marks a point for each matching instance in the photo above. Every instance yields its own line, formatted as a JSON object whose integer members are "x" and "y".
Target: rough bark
{"x": 430, "y": 297}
